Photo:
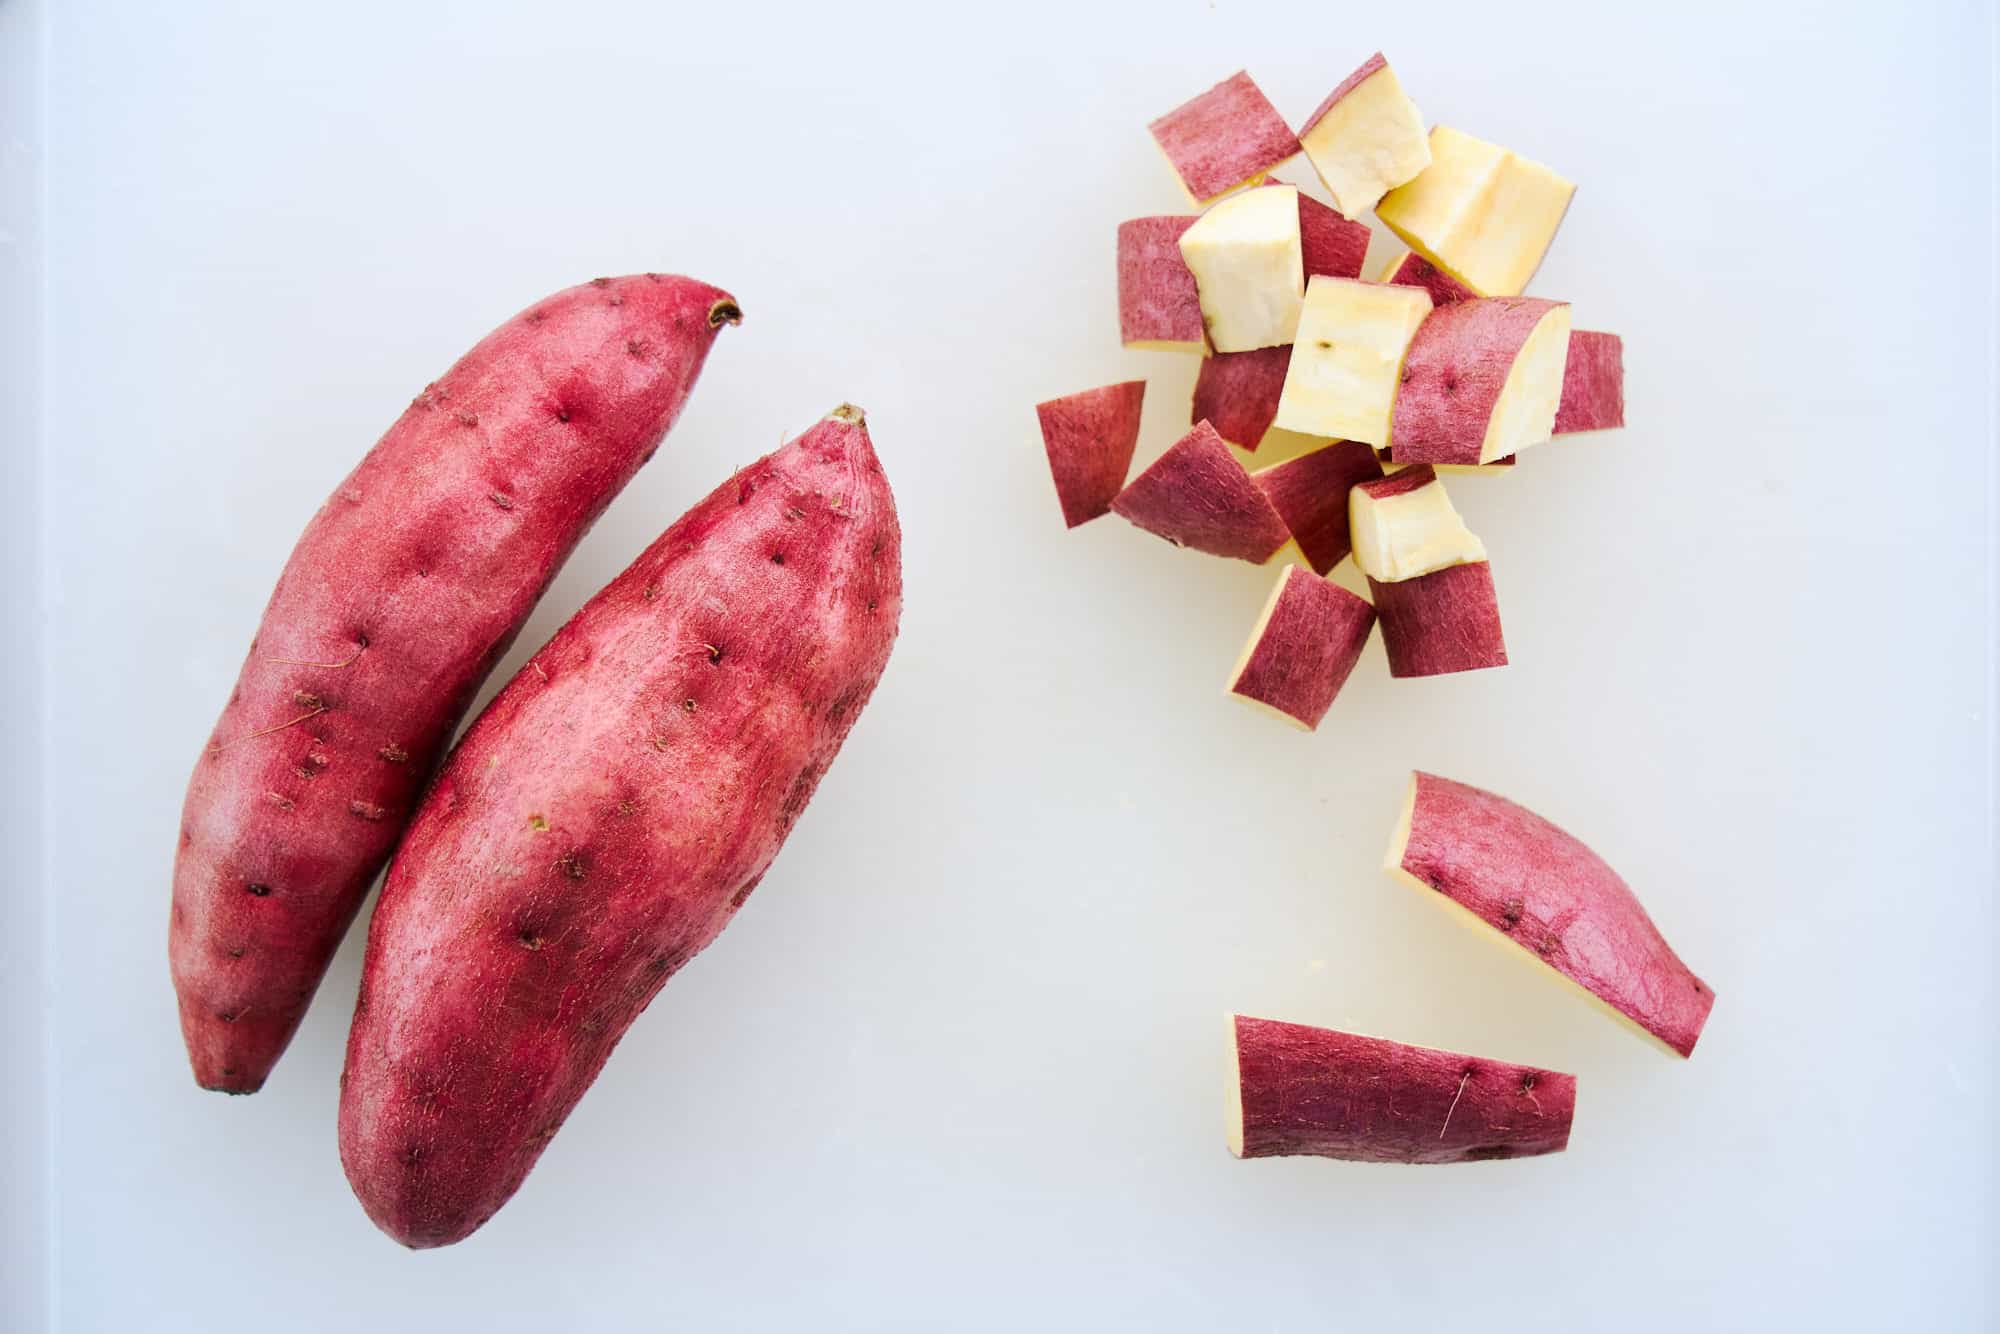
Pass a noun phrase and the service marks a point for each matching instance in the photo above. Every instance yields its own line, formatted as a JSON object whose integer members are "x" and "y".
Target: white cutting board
{"x": 958, "y": 1063}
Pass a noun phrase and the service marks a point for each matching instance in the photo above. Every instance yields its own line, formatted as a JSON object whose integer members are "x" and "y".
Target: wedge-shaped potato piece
{"x": 1348, "y": 358}
{"x": 1442, "y": 622}
{"x": 1482, "y": 214}
{"x": 1300, "y": 1090}
{"x": 1555, "y": 898}
{"x": 1366, "y": 139}
{"x": 1249, "y": 268}
{"x": 1197, "y": 495}
{"x": 1229, "y": 136}
{"x": 1158, "y": 305}
{"x": 1302, "y": 648}
{"x": 1404, "y": 526}
{"x": 1310, "y": 493}
{"x": 1481, "y": 382}
{"x": 1593, "y": 392}
{"x": 1089, "y": 438}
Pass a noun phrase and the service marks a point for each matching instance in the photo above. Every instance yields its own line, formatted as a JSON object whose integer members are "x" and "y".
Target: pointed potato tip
{"x": 724, "y": 311}
{"x": 847, "y": 412}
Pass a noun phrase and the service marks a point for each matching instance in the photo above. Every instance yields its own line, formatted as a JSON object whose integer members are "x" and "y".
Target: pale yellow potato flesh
{"x": 1368, "y": 143}
{"x": 1233, "y": 1109}
{"x": 1348, "y": 358}
{"x": 1525, "y": 412}
{"x": 1481, "y": 213}
{"x": 1496, "y": 469}
{"x": 1249, "y": 268}
{"x": 1403, "y": 536}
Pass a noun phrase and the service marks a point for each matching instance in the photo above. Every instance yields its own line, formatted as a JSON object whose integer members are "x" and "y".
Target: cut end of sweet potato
{"x": 1249, "y": 268}
{"x": 1482, "y": 214}
{"x": 847, "y": 412}
{"x": 1399, "y": 837}
{"x": 1232, "y": 1111}
{"x": 1481, "y": 381}
{"x": 1366, "y": 138}
{"x": 1405, "y": 525}
{"x": 1347, "y": 358}
{"x": 1525, "y": 413}
{"x": 725, "y": 311}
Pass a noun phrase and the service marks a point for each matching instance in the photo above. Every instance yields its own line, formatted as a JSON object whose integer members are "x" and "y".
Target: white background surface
{"x": 958, "y": 1063}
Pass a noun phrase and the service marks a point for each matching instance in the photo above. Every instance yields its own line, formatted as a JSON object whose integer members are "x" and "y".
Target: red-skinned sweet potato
{"x": 1089, "y": 438}
{"x": 1481, "y": 381}
{"x": 1310, "y": 494}
{"x": 407, "y": 586}
{"x": 1159, "y": 305}
{"x": 1330, "y": 242}
{"x": 1302, "y": 648}
{"x": 1593, "y": 393}
{"x": 1227, "y": 136}
{"x": 1196, "y": 495}
{"x": 1237, "y": 393}
{"x": 604, "y": 818}
{"x": 1541, "y": 888}
{"x": 1413, "y": 270}
{"x": 1301, "y": 1090}
{"x": 1442, "y": 622}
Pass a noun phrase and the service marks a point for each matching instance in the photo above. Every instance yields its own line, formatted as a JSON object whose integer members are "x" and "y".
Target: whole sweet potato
{"x": 604, "y": 818}
{"x": 406, "y": 588}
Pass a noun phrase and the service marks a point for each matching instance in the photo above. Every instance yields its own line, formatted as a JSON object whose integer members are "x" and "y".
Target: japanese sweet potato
{"x": 604, "y": 818}
{"x": 407, "y": 586}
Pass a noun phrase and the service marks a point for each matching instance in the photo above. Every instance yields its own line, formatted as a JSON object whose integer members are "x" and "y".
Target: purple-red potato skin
{"x": 1226, "y": 136}
{"x": 1237, "y": 392}
{"x": 1593, "y": 397}
{"x": 1304, "y": 649}
{"x": 1196, "y": 495}
{"x": 1453, "y": 374}
{"x": 1330, "y": 242}
{"x": 1157, "y": 298}
{"x": 406, "y": 588}
{"x": 1333, "y": 244}
{"x": 1089, "y": 438}
{"x": 1318, "y": 1091}
{"x": 1555, "y": 898}
{"x": 1413, "y": 270}
{"x": 1442, "y": 622}
{"x": 604, "y": 818}
{"x": 1400, "y": 483}
{"x": 1310, "y": 494}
